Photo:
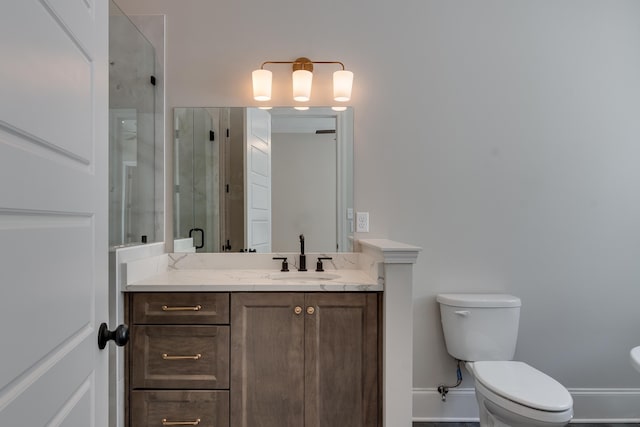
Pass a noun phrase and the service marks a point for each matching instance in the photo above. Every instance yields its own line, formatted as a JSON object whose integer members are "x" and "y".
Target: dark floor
{"x": 446, "y": 424}
{"x": 477, "y": 425}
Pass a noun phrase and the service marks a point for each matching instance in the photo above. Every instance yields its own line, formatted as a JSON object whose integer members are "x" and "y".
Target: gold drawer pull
{"x": 165, "y": 356}
{"x": 180, "y": 423}
{"x": 194, "y": 308}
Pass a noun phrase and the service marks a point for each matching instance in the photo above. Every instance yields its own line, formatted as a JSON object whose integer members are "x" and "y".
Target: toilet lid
{"x": 523, "y": 384}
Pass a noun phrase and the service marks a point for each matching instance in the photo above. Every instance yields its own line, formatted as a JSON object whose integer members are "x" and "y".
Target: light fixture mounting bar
{"x": 302, "y": 63}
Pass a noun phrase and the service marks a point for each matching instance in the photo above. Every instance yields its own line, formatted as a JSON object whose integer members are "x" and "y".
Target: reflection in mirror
{"x": 250, "y": 180}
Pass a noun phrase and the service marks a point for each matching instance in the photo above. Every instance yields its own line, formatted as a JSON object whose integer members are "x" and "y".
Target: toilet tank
{"x": 480, "y": 326}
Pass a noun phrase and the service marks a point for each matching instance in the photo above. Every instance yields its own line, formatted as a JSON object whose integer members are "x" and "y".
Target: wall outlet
{"x": 362, "y": 222}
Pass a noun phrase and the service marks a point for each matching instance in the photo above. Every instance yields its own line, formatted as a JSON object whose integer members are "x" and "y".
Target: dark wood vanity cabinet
{"x": 178, "y": 359}
{"x": 304, "y": 359}
{"x": 253, "y": 359}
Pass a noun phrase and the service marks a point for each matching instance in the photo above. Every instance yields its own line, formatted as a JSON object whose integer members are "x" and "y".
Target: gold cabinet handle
{"x": 180, "y": 423}
{"x": 194, "y": 308}
{"x": 297, "y": 310}
{"x": 310, "y": 310}
{"x": 165, "y": 356}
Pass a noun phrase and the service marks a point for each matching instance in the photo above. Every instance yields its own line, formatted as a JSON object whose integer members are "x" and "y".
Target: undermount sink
{"x": 299, "y": 275}
{"x": 635, "y": 357}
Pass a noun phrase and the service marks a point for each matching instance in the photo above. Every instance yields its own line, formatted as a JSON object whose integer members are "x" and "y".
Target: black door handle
{"x": 201, "y": 237}
{"x": 120, "y": 335}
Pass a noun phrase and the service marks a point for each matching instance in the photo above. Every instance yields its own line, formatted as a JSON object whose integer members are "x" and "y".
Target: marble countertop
{"x": 256, "y": 280}
{"x": 243, "y": 273}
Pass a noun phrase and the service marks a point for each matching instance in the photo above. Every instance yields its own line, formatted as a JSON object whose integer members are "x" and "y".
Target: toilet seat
{"x": 523, "y": 390}
{"x": 524, "y": 412}
{"x": 523, "y": 384}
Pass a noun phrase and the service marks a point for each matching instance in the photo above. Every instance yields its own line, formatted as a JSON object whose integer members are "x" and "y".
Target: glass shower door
{"x": 197, "y": 177}
{"x": 132, "y": 142}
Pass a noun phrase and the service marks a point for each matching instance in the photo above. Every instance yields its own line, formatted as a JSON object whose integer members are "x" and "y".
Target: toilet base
{"x": 493, "y": 416}
{"x": 496, "y": 411}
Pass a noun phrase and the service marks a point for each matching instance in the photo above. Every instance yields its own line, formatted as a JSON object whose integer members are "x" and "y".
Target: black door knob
{"x": 120, "y": 335}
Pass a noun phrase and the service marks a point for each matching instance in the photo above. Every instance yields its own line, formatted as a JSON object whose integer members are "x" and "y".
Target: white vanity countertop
{"x": 256, "y": 281}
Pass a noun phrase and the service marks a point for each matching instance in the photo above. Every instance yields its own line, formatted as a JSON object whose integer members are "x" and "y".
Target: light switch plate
{"x": 349, "y": 213}
{"x": 362, "y": 222}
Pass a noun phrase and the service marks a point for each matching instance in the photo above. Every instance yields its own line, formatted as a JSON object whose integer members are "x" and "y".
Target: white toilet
{"x": 482, "y": 330}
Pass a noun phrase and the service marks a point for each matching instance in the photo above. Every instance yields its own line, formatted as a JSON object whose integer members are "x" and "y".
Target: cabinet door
{"x": 267, "y": 360}
{"x": 341, "y": 360}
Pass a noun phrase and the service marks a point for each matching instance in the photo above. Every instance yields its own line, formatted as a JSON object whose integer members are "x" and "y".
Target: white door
{"x": 53, "y": 212}
{"x": 258, "y": 179}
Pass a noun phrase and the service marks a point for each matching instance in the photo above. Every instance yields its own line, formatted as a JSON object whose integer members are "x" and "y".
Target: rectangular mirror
{"x": 249, "y": 179}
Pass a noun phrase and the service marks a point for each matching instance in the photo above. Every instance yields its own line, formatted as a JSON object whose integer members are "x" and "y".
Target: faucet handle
{"x": 319, "y": 266}
{"x": 285, "y": 264}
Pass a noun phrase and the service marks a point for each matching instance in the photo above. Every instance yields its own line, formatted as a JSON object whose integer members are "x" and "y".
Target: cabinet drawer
{"x": 162, "y": 408}
{"x": 190, "y": 357}
{"x": 164, "y": 308}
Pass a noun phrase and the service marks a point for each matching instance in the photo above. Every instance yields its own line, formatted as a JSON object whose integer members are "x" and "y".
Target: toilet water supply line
{"x": 444, "y": 389}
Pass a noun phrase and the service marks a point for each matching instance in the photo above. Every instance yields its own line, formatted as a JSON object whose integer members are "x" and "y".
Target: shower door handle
{"x": 201, "y": 237}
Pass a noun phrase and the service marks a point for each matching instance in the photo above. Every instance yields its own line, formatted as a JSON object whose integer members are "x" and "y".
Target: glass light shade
{"x": 302, "y": 85}
{"x": 301, "y": 108}
{"x": 261, "y": 85}
{"x": 339, "y": 108}
{"x": 342, "y": 82}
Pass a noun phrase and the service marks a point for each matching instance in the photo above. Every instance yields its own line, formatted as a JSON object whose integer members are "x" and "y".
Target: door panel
{"x": 53, "y": 212}
{"x": 341, "y": 363}
{"x": 46, "y": 58}
{"x": 267, "y": 360}
{"x": 27, "y": 292}
{"x": 258, "y": 179}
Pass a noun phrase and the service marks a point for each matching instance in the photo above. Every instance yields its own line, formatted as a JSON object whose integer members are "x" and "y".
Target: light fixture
{"x": 302, "y": 85}
{"x": 302, "y": 78}
{"x": 261, "y": 85}
{"x": 342, "y": 82}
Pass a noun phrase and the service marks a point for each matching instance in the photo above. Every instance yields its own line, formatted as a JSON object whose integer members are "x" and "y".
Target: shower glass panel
{"x": 133, "y": 216}
{"x": 197, "y": 175}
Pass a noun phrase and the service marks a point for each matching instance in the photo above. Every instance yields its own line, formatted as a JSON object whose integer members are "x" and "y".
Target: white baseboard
{"x": 460, "y": 406}
{"x": 590, "y": 405}
{"x": 606, "y": 405}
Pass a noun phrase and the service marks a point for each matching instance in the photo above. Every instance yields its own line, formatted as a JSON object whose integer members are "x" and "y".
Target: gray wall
{"x": 503, "y": 137}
